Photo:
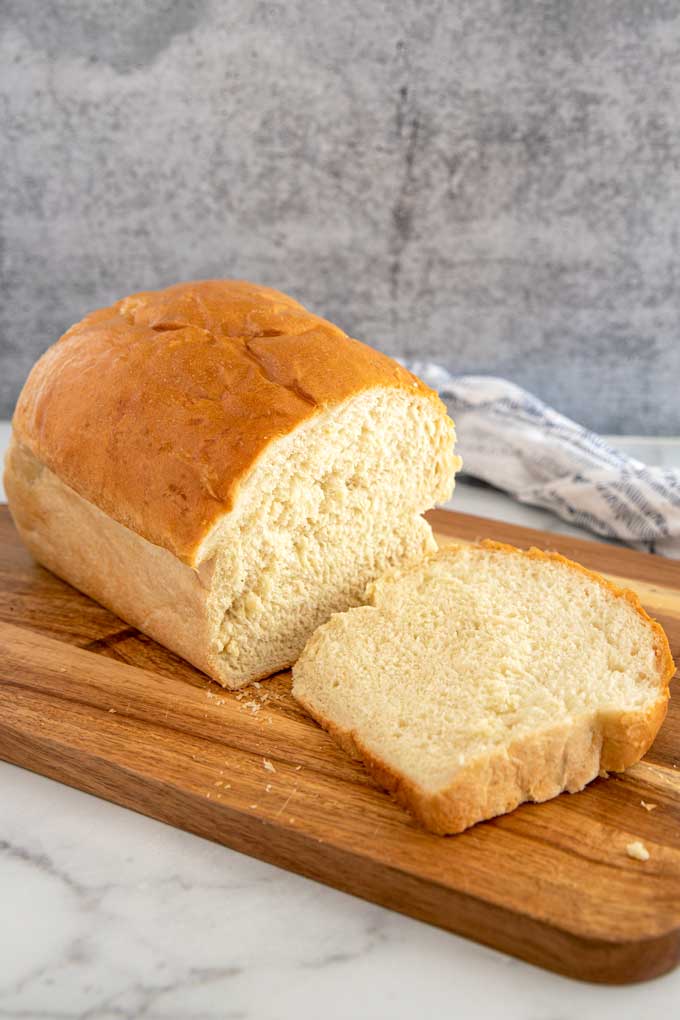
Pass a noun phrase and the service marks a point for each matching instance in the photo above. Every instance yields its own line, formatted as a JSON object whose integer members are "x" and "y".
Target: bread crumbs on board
{"x": 648, "y": 806}
{"x": 637, "y": 850}
{"x": 268, "y": 765}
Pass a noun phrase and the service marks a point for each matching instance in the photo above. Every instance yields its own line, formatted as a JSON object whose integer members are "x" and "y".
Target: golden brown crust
{"x": 536, "y": 768}
{"x": 140, "y": 582}
{"x": 143, "y": 584}
{"x": 156, "y": 409}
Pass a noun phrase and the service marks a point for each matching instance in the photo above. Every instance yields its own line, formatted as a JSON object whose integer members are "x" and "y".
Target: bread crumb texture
{"x": 637, "y": 850}
{"x": 324, "y": 513}
{"x": 485, "y": 676}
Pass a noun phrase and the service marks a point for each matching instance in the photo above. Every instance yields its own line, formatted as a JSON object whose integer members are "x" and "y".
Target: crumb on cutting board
{"x": 648, "y": 806}
{"x": 268, "y": 765}
{"x": 637, "y": 850}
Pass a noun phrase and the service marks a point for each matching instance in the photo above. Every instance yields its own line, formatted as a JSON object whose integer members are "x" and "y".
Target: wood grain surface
{"x": 93, "y": 703}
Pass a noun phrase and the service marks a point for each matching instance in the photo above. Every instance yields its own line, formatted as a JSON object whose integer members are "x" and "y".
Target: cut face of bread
{"x": 486, "y": 676}
{"x": 325, "y": 510}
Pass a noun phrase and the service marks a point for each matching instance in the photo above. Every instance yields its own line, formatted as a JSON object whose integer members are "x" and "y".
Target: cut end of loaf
{"x": 326, "y": 511}
{"x": 484, "y": 677}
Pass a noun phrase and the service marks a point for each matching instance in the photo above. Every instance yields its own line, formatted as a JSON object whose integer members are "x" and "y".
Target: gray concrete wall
{"x": 495, "y": 184}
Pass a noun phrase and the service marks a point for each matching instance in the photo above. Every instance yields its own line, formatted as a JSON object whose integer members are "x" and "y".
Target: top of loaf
{"x": 156, "y": 408}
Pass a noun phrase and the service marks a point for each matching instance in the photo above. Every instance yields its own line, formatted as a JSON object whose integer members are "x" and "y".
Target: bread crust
{"x": 537, "y": 768}
{"x": 143, "y": 584}
{"x": 156, "y": 409}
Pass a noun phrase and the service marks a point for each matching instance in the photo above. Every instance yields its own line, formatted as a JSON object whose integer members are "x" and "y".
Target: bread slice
{"x": 223, "y": 469}
{"x": 485, "y": 676}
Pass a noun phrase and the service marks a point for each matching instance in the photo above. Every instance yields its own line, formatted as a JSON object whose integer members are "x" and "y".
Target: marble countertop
{"x": 107, "y": 915}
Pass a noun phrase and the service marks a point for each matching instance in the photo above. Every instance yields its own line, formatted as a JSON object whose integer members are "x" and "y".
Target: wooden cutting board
{"x": 93, "y": 703}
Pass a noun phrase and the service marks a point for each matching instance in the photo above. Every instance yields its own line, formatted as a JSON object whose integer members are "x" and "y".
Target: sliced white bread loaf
{"x": 224, "y": 470}
{"x": 485, "y": 676}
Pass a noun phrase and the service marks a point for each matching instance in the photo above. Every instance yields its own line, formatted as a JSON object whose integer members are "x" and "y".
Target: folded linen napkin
{"x": 514, "y": 441}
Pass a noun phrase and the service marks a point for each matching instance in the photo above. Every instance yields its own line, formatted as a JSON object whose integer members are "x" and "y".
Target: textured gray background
{"x": 495, "y": 184}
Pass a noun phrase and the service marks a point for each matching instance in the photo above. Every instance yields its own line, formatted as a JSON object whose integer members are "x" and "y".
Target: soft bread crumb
{"x": 268, "y": 765}
{"x": 637, "y": 850}
{"x": 483, "y": 677}
{"x": 647, "y": 806}
{"x": 324, "y": 512}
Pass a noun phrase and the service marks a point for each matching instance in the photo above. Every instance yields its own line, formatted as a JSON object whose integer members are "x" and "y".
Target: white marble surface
{"x": 106, "y": 915}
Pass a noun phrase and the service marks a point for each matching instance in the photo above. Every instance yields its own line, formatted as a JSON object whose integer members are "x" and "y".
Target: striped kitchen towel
{"x": 514, "y": 441}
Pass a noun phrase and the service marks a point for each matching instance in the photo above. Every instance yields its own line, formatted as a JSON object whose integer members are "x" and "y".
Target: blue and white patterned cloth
{"x": 512, "y": 440}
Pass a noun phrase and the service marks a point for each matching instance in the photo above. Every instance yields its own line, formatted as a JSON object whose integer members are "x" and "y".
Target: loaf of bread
{"x": 224, "y": 470}
{"x": 483, "y": 677}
